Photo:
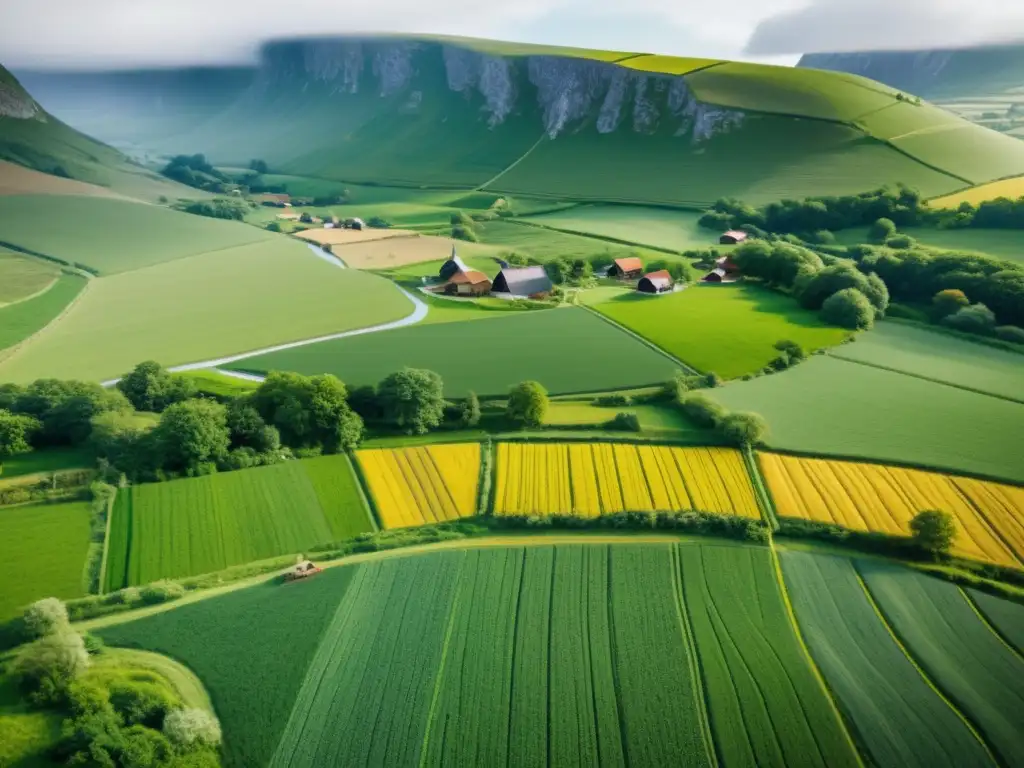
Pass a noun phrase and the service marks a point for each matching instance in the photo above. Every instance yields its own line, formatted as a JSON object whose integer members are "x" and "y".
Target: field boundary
{"x": 371, "y": 515}
{"x": 512, "y": 165}
{"x": 37, "y": 294}
{"x": 992, "y": 627}
{"x": 10, "y": 352}
{"x": 929, "y": 379}
{"x": 604, "y": 238}
{"x": 647, "y": 342}
{"x": 367, "y": 493}
{"x": 761, "y": 492}
{"x": 101, "y": 587}
{"x": 975, "y": 731}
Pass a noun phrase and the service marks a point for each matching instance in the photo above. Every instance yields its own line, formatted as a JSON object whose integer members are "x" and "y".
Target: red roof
{"x": 471, "y": 277}
{"x": 660, "y": 274}
{"x": 629, "y": 264}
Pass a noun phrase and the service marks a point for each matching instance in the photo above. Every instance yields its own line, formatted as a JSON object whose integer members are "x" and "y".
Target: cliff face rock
{"x": 566, "y": 94}
{"x": 15, "y": 103}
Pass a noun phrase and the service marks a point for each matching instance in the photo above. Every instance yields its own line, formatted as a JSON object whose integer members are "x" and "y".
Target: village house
{"x": 522, "y": 281}
{"x": 453, "y": 265}
{"x": 626, "y": 268}
{"x": 656, "y": 282}
{"x": 717, "y": 275}
{"x": 468, "y": 283}
{"x": 732, "y": 237}
{"x": 354, "y": 224}
{"x": 330, "y": 221}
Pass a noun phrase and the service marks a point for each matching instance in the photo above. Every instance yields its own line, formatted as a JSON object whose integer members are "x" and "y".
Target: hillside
{"x": 31, "y": 137}
{"x": 566, "y": 123}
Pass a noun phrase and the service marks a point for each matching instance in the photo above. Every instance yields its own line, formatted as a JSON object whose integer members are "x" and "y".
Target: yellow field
{"x": 1011, "y": 188}
{"x": 391, "y": 252}
{"x": 873, "y": 497}
{"x": 417, "y": 486}
{"x": 593, "y": 479}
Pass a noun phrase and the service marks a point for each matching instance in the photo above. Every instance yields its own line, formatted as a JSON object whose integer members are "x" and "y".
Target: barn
{"x": 522, "y": 281}
{"x": 627, "y": 268}
{"x": 717, "y": 275}
{"x": 468, "y": 283}
{"x": 453, "y": 265}
{"x": 732, "y": 237}
{"x": 655, "y": 282}
{"x": 354, "y": 224}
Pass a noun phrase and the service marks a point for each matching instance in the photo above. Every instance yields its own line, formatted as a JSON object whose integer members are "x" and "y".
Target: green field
{"x": 26, "y": 733}
{"x": 220, "y": 303}
{"x": 964, "y": 658}
{"x": 22, "y": 277}
{"x": 46, "y": 460}
{"x": 1000, "y": 243}
{"x": 896, "y": 716}
{"x": 654, "y": 227}
{"x": 920, "y": 352}
{"x": 646, "y": 655}
{"x": 832, "y": 407}
{"x": 21, "y": 320}
{"x": 110, "y": 236}
{"x": 42, "y": 553}
{"x": 221, "y": 385}
{"x": 730, "y": 330}
{"x": 1007, "y": 618}
{"x": 545, "y": 244}
{"x": 199, "y": 525}
{"x": 566, "y": 350}
{"x": 654, "y": 418}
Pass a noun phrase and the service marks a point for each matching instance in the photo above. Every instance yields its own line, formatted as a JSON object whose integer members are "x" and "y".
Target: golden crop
{"x": 874, "y": 497}
{"x": 416, "y": 486}
{"x": 591, "y": 479}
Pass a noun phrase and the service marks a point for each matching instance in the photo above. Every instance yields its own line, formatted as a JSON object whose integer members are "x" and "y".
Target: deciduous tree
{"x": 527, "y": 404}
{"x": 412, "y": 400}
{"x": 933, "y": 531}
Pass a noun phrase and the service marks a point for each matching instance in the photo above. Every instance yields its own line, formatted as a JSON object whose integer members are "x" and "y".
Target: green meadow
{"x": 566, "y": 350}
{"x": 1000, "y": 243}
{"x": 21, "y": 320}
{"x": 543, "y": 244}
{"x": 728, "y": 329}
{"x": 22, "y": 276}
{"x": 673, "y": 230}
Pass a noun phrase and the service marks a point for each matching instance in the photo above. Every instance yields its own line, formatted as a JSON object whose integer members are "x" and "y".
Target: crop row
{"x": 593, "y": 479}
{"x": 418, "y": 486}
{"x": 874, "y": 497}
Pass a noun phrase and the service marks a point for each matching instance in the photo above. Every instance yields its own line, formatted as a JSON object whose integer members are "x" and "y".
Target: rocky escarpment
{"x": 566, "y": 94}
{"x": 14, "y": 102}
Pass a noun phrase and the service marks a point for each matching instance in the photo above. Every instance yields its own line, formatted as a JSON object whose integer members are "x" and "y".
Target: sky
{"x": 132, "y": 33}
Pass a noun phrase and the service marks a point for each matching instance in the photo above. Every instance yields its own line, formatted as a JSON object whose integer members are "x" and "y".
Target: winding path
{"x": 419, "y": 312}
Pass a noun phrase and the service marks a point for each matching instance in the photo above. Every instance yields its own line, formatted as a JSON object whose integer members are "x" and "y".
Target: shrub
{"x": 378, "y": 223}
{"x": 624, "y": 422}
{"x": 702, "y": 411}
{"x": 460, "y": 232}
{"x": 792, "y": 349}
{"x": 712, "y": 380}
{"x": 900, "y": 242}
{"x": 93, "y": 643}
{"x": 46, "y": 668}
{"x": 743, "y": 429}
{"x": 1010, "y": 333}
{"x": 186, "y": 728}
{"x": 612, "y": 401}
{"x": 142, "y": 703}
{"x": 161, "y": 592}
{"x": 882, "y": 230}
{"x": 45, "y": 617}
{"x": 848, "y": 308}
{"x": 977, "y": 318}
{"x": 126, "y": 596}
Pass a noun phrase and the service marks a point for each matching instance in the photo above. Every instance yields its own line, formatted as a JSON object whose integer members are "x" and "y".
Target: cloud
{"x": 855, "y": 25}
{"x": 125, "y": 33}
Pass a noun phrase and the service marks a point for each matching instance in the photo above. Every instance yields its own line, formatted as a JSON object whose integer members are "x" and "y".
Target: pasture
{"x": 653, "y": 418}
{"x": 198, "y": 525}
{"x": 422, "y": 485}
{"x": 728, "y": 329}
{"x": 220, "y": 385}
{"x": 238, "y": 300}
{"x": 342, "y": 236}
{"x": 567, "y": 350}
{"x": 110, "y": 236}
{"x": 21, "y": 320}
{"x": 544, "y": 244}
{"x": 898, "y": 716}
{"x": 918, "y": 351}
{"x": 832, "y": 407}
{"x": 22, "y": 277}
{"x": 42, "y": 553}
{"x": 594, "y": 479}
{"x": 672, "y": 230}
{"x": 397, "y": 252}
{"x": 874, "y": 497}
{"x": 20, "y": 180}
{"x": 976, "y": 670}
{"x": 1007, "y": 618}
{"x": 1012, "y": 188}
{"x": 998, "y": 243}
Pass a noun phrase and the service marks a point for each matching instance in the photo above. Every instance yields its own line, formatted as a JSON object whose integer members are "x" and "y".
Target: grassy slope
{"x": 26, "y": 733}
{"x": 42, "y": 553}
{"x": 896, "y": 717}
{"x": 834, "y": 407}
{"x": 730, "y": 330}
{"x": 238, "y": 300}
{"x": 654, "y": 418}
{"x": 1007, "y": 618}
{"x": 567, "y": 350}
{"x": 112, "y": 236}
{"x": 21, "y": 320}
{"x": 920, "y": 352}
{"x": 546, "y": 244}
{"x": 21, "y": 277}
{"x": 655, "y": 227}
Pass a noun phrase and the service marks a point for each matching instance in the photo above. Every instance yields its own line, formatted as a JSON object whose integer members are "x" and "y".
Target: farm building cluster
{"x": 661, "y": 280}
{"x": 459, "y": 279}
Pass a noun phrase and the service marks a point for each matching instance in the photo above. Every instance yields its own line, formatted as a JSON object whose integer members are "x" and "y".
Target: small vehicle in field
{"x": 302, "y": 570}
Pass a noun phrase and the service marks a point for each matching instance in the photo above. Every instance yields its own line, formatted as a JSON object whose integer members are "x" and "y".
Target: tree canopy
{"x": 527, "y": 404}
{"x": 412, "y": 400}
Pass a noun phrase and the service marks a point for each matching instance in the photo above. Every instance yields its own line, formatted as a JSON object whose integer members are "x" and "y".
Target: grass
{"x": 1012, "y": 188}
{"x": 396, "y": 252}
{"x": 42, "y": 553}
{"x": 653, "y": 418}
{"x": 833, "y": 407}
{"x": 26, "y": 734}
{"x": 110, "y": 236}
{"x": 978, "y": 672}
{"x": 896, "y": 716}
{"x": 211, "y": 382}
{"x": 22, "y": 277}
{"x": 238, "y": 300}
{"x": 655, "y": 227}
{"x": 252, "y": 677}
{"x": 200, "y": 525}
{"x": 421, "y": 269}
{"x": 46, "y": 460}
{"x": 567, "y": 350}
{"x": 920, "y": 352}
{"x": 19, "y": 321}
{"x": 730, "y": 330}
{"x": 1007, "y": 618}
{"x": 545, "y": 244}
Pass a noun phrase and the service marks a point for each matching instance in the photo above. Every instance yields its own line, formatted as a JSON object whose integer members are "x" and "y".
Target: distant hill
{"x": 35, "y": 139}
{"x": 567, "y": 123}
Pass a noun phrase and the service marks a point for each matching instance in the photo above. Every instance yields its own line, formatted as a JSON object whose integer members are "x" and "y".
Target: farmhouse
{"x": 468, "y": 283}
{"x": 354, "y": 224}
{"x": 727, "y": 264}
{"x": 655, "y": 282}
{"x": 626, "y": 268}
{"x": 717, "y": 275}
{"x": 732, "y": 237}
{"x": 330, "y": 222}
{"x": 452, "y": 266}
{"x": 522, "y": 281}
